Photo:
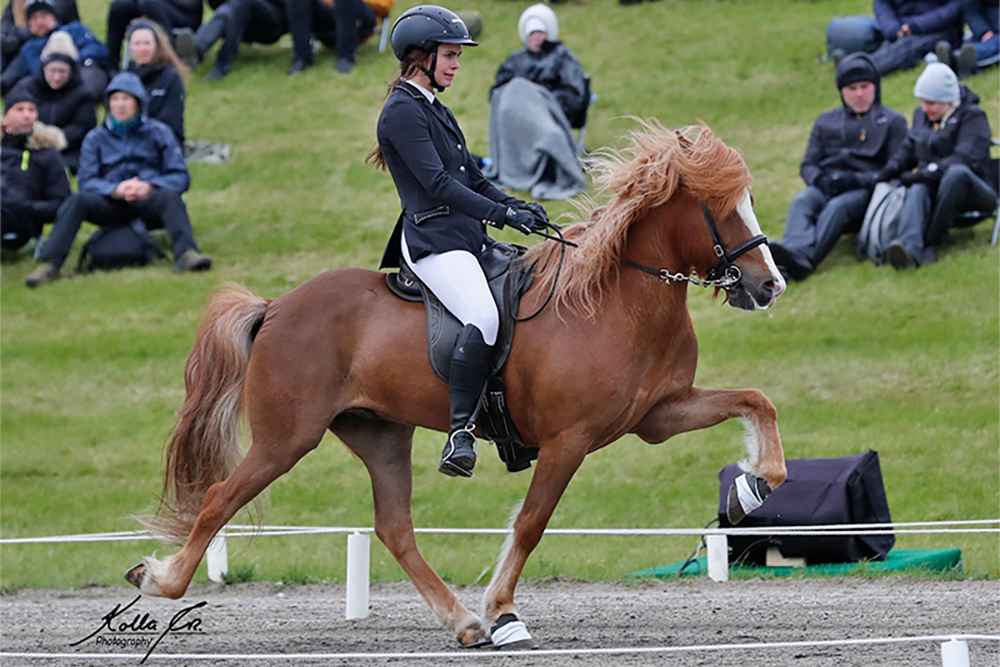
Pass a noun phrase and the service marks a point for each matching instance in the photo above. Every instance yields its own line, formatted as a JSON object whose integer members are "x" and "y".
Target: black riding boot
{"x": 470, "y": 369}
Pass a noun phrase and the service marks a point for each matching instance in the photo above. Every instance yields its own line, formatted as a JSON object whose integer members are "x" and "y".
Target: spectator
{"x": 847, "y": 149}
{"x": 339, "y": 25}
{"x": 33, "y": 177}
{"x": 949, "y": 144}
{"x": 131, "y": 167}
{"x": 983, "y": 19}
{"x": 170, "y": 14}
{"x": 153, "y": 59}
{"x": 42, "y": 22}
{"x": 235, "y": 21}
{"x": 63, "y": 101}
{"x": 14, "y": 25}
{"x": 911, "y": 29}
{"x": 538, "y": 89}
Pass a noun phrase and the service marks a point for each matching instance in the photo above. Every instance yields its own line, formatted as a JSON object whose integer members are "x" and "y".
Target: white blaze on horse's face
{"x": 745, "y": 210}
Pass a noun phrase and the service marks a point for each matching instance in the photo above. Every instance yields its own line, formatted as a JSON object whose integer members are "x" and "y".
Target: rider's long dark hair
{"x": 408, "y": 66}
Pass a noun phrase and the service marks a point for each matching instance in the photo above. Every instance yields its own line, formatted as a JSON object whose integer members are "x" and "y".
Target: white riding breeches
{"x": 457, "y": 280}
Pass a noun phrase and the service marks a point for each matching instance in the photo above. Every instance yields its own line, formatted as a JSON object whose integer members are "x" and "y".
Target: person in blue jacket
{"x": 130, "y": 167}
{"x": 912, "y": 28}
{"x": 447, "y": 204}
{"x": 42, "y": 22}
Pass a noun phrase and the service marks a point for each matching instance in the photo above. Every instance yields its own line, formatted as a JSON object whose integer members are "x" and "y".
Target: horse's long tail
{"x": 204, "y": 448}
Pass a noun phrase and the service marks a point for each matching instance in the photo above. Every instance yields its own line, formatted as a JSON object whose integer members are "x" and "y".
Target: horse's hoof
{"x": 510, "y": 634}
{"x": 473, "y": 636}
{"x": 482, "y": 642}
{"x": 746, "y": 494}
{"x": 135, "y": 574}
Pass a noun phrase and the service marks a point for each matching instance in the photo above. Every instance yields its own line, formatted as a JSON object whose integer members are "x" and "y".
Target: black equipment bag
{"x": 117, "y": 247}
{"x": 844, "y": 490}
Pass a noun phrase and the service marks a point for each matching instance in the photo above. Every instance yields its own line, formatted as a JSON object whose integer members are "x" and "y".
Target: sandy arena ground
{"x": 262, "y": 618}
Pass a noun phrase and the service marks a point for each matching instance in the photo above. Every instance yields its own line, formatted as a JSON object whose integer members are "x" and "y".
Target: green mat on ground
{"x": 900, "y": 559}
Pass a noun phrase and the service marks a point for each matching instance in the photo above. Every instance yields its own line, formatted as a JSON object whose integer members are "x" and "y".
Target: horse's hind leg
{"x": 701, "y": 408}
{"x": 384, "y": 447}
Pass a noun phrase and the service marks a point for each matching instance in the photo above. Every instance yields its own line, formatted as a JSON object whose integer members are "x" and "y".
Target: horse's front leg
{"x": 558, "y": 460}
{"x": 701, "y": 408}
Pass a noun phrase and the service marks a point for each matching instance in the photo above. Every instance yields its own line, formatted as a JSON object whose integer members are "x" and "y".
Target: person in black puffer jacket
{"x": 949, "y": 147}
{"x": 847, "y": 149}
{"x": 161, "y": 71}
{"x": 64, "y": 103}
{"x": 34, "y": 181}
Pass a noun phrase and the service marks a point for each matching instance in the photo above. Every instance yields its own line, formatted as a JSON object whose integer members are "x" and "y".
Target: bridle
{"x": 725, "y": 274}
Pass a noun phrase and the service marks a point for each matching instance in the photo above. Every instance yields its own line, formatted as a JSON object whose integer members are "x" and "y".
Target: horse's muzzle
{"x": 753, "y": 293}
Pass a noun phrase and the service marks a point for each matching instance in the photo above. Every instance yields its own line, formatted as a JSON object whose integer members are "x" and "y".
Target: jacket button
{"x": 460, "y": 147}
{"x": 462, "y": 168}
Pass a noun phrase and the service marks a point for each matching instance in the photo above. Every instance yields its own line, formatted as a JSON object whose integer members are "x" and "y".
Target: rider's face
{"x": 447, "y": 63}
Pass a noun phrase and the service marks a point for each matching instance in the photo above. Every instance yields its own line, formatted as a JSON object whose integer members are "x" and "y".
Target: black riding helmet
{"x": 425, "y": 27}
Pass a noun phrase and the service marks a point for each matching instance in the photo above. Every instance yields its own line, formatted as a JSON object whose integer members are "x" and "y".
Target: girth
{"x": 508, "y": 280}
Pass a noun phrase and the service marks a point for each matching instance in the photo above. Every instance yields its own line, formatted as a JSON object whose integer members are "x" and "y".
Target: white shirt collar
{"x": 426, "y": 93}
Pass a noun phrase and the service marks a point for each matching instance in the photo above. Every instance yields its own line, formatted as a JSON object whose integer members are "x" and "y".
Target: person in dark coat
{"x": 983, "y": 19}
{"x": 42, "y": 23}
{"x": 912, "y": 28}
{"x": 848, "y": 147}
{"x": 131, "y": 167}
{"x": 14, "y": 25}
{"x": 63, "y": 101}
{"x": 339, "y": 25}
{"x": 546, "y": 61}
{"x": 234, "y": 22}
{"x": 447, "y": 203}
{"x": 33, "y": 178}
{"x": 944, "y": 161}
{"x": 153, "y": 59}
{"x": 170, "y": 14}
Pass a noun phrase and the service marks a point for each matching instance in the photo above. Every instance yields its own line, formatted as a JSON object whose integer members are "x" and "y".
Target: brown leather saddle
{"x": 508, "y": 279}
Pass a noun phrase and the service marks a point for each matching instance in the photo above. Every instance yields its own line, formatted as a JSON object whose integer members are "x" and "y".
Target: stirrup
{"x": 454, "y": 461}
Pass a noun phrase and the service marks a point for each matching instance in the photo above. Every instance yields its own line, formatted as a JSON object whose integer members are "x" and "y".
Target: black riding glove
{"x": 541, "y": 217}
{"x": 522, "y": 220}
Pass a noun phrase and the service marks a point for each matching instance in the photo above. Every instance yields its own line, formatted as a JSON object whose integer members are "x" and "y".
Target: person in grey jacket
{"x": 130, "y": 167}
{"x": 944, "y": 161}
{"x": 847, "y": 149}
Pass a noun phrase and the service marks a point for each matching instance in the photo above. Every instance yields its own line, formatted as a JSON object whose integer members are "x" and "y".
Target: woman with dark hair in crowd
{"x": 447, "y": 203}
{"x": 170, "y": 14}
{"x": 63, "y": 101}
{"x": 162, "y": 72}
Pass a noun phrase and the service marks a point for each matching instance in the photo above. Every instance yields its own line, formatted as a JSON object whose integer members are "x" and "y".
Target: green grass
{"x": 857, "y": 357}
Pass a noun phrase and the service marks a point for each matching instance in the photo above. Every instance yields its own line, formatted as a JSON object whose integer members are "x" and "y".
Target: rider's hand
{"x": 541, "y": 217}
{"x": 522, "y": 220}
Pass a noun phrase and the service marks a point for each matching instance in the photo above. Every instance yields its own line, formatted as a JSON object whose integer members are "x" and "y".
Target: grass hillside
{"x": 857, "y": 357}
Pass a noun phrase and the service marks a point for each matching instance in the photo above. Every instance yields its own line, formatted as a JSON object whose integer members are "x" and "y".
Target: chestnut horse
{"x": 613, "y": 353}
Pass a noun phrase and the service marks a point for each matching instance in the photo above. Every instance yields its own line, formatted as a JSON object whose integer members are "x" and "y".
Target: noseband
{"x": 725, "y": 274}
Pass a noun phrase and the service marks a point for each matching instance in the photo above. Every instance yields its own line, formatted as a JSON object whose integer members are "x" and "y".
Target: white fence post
{"x": 218, "y": 557}
{"x": 955, "y": 654}
{"x": 358, "y": 564}
{"x": 718, "y": 557}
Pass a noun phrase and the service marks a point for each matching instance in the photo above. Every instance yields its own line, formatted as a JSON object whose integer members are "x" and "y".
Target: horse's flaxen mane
{"x": 641, "y": 177}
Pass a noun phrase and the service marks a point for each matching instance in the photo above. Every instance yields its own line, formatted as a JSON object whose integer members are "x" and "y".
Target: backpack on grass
{"x": 881, "y": 224}
{"x": 118, "y": 247}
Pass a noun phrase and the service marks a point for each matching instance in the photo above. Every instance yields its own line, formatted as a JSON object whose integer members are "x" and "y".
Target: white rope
{"x": 463, "y": 655}
{"x": 910, "y": 528}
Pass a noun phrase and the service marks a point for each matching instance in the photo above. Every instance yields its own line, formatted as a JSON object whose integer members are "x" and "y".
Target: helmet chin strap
{"x": 430, "y": 71}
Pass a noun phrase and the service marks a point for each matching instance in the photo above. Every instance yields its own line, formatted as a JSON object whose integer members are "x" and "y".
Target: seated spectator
{"x": 131, "y": 167}
{"x": 538, "y": 89}
{"x": 848, "y": 147}
{"x": 983, "y": 19}
{"x": 912, "y": 28}
{"x": 42, "y": 22}
{"x": 34, "y": 181}
{"x": 14, "y": 25}
{"x": 171, "y": 15}
{"x": 63, "y": 101}
{"x": 234, "y": 22}
{"x": 340, "y": 25}
{"x": 153, "y": 59}
{"x": 949, "y": 144}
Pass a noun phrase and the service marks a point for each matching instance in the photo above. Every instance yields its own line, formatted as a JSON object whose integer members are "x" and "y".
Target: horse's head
{"x": 742, "y": 252}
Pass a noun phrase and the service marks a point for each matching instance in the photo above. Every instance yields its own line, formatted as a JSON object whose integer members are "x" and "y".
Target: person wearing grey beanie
{"x": 945, "y": 164}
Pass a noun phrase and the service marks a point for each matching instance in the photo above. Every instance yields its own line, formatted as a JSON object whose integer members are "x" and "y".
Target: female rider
{"x": 446, "y": 204}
